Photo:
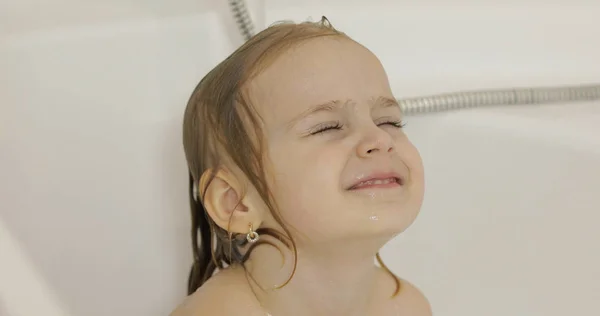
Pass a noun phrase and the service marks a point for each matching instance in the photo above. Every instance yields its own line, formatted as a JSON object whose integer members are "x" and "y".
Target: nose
{"x": 375, "y": 141}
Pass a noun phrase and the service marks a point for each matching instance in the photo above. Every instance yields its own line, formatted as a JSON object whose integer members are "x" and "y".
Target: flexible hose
{"x": 517, "y": 96}
{"x": 464, "y": 99}
{"x": 242, "y": 18}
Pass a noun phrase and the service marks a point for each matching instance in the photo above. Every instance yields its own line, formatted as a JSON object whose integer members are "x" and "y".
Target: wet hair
{"x": 220, "y": 125}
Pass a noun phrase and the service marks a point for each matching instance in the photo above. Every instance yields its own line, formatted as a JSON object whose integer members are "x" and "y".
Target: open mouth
{"x": 378, "y": 183}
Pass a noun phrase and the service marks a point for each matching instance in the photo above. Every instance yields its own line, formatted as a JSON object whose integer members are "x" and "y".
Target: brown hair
{"x": 220, "y": 124}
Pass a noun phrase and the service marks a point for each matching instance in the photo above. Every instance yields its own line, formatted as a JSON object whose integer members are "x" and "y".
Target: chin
{"x": 386, "y": 222}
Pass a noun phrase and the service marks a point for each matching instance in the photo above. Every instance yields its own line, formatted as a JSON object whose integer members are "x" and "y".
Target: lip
{"x": 378, "y": 176}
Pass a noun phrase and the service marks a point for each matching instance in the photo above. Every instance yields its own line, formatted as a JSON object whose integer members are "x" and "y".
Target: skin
{"x": 338, "y": 230}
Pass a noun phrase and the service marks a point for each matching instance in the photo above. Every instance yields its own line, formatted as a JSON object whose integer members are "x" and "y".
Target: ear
{"x": 226, "y": 204}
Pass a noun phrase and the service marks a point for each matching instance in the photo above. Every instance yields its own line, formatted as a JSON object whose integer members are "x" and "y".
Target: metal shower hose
{"x": 462, "y": 99}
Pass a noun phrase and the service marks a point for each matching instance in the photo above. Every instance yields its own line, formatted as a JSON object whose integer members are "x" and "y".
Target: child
{"x": 299, "y": 173}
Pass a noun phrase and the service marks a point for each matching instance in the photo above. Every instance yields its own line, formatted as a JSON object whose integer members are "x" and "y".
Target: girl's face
{"x": 340, "y": 165}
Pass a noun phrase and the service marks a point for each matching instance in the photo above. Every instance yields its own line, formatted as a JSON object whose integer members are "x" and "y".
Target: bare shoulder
{"x": 208, "y": 300}
{"x": 216, "y": 296}
{"x": 411, "y": 301}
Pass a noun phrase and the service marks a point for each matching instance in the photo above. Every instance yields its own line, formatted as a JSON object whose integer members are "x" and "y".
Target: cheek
{"x": 412, "y": 158}
{"x": 306, "y": 185}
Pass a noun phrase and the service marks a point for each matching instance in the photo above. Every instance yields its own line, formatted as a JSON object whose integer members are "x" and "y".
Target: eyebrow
{"x": 334, "y": 105}
{"x": 385, "y": 102}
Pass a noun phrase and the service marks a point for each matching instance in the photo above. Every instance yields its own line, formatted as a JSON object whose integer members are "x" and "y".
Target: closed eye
{"x": 326, "y": 127}
{"x": 396, "y": 124}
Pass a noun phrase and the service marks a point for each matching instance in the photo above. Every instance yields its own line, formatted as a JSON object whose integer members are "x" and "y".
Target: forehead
{"x": 317, "y": 71}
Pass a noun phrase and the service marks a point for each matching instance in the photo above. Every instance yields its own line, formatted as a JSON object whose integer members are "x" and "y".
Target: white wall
{"x": 93, "y": 212}
{"x": 94, "y": 215}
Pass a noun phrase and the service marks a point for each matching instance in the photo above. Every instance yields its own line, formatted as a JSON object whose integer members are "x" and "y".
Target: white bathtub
{"x": 93, "y": 185}
{"x": 509, "y": 223}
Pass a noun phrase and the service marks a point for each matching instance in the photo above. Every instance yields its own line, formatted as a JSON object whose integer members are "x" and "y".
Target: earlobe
{"x": 223, "y": 201}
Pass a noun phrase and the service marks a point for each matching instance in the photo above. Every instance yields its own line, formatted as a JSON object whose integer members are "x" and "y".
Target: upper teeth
{"x": 377, "y": 181}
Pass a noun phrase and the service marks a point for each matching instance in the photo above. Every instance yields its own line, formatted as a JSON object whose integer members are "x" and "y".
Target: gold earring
{"x": 252, "y": 236}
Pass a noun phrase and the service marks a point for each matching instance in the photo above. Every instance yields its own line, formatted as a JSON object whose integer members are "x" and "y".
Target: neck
{"x": 325, "y": 281}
